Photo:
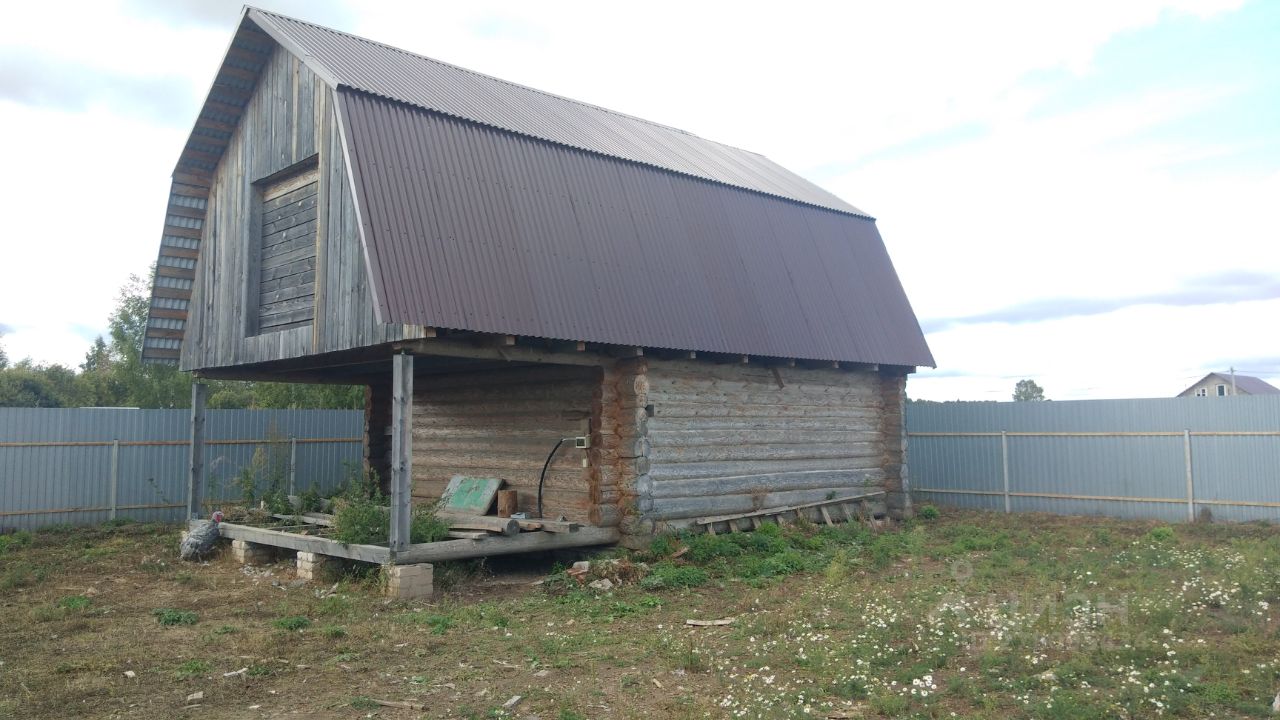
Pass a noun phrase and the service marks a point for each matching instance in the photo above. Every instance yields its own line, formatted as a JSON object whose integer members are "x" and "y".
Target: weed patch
{"x": 171, "y": 617}
{"x": 293, "y": 623}
{"x": 192, "y": 669}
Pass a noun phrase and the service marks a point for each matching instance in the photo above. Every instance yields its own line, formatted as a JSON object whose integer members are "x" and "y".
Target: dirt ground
{"x": 491, "y": 636}
{"x": 963, "y": 615}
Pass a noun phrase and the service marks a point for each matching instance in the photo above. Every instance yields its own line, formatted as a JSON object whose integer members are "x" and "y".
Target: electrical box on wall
{"x": 581, "y": 442}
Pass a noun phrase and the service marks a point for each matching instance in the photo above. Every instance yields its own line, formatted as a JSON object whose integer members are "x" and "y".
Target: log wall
{"x": 502, "y": 423}
{"x": 716, "y": 439}
{"x": 670, "y": 441}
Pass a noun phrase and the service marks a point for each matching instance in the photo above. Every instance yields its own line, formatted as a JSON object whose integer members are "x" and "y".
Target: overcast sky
{"x": 1086, "y": 194}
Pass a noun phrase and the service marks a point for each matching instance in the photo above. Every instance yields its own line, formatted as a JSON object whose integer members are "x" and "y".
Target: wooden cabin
{"x": 503, "y": 268}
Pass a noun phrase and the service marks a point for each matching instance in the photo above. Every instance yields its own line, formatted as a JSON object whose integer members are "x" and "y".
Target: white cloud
{"x": 1075, "y": 204}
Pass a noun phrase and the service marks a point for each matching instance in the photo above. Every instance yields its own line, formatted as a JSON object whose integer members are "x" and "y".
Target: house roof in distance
{"x": 1245, "y": 384}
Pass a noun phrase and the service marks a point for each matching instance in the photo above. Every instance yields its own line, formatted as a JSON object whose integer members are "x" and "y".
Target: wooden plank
{"x": 285, "y": 306}
{"x": 268, "y": 297}
{"x": 272, "y": 226}
{"x": 195, "y": 483}
{"x": 276, "y": 283}
{"x": 522, "y": 543}
{"x": 280, "y": 211}
{"x": 275, "y": 320}
{"x": 508, "y": 503}
{"x": 470, "y": 495}
{"x": 291, "y": 255}
{"x": 314, "y": 518}
{"x": 826, "y": 516}
{"x": 276, "y": 202}
{"x": 300, "y": 184}
{"x": 780, "y": 510}
{"x": 305, "y": 543}
{"x": 550, "y": 525}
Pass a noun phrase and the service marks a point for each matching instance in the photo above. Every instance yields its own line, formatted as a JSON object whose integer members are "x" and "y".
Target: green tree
{"x": 1027, "y": 391}
{"x": 28, "y": 384}
{"x": 113, "y": 374}
{"x": 4, "y": 359}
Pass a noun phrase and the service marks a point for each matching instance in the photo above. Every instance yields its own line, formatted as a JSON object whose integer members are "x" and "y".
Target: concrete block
{"x": 409, "y": 582}
{"x": 310, "y": 565}
{"x": 247, "y": 553}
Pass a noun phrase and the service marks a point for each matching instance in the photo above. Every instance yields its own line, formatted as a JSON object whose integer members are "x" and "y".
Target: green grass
{"x": 75, "y": 602}
{"x": 192, "y": 669}
{"x": 171, "y": 617}
{"x": 14, "y": 541}
{"x": 294, "y": 623}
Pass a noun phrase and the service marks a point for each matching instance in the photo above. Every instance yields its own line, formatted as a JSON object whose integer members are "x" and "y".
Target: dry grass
{"x": 973, "y": 614}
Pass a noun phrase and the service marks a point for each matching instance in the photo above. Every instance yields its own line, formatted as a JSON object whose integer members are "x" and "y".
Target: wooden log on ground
{"x": 522, "y": 543}
{"x": 462, "y": 521}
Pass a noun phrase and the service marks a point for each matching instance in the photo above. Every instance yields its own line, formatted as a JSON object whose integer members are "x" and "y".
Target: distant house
{"x": 1223, "y": 384}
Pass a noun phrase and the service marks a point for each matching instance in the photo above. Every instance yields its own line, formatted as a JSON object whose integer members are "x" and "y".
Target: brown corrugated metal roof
{"x": 471, "y": 227}
{"x": 389, "y": 72}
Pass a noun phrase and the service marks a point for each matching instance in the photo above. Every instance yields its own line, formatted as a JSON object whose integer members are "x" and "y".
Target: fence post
{"x": 1191, "y": 491}
{"x": 293, "y": 465}
{"x": 115, "y": 476}
{"x": 195, "y": 475}
{"x": 1004, "y": 459}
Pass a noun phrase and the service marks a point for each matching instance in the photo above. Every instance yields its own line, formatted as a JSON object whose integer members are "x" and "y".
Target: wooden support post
{"x": 401, "y": 450}
{"x": 1004, "y": 461}
{"x": 115, "y": 476}
{"x": 1191, "y": 488}
{"x": 195, "y": 478}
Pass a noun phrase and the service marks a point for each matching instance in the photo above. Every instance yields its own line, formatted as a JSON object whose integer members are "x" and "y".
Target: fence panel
{"x": 1168, "y": 459}
{"x": 88, "y": 465}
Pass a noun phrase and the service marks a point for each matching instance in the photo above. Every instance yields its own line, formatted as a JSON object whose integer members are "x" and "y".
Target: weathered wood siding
{"x": 734, "y": 438}
{"x": 286, "y": 261}
{"x": 289, "y": 118}
{"x": 502, "y": 423}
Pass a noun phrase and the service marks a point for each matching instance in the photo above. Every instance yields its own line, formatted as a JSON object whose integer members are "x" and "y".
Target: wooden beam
{"x": 195, "y": 477}
{"x": 453, "y": 348}
{"x": 401, "y": 450}
{"x": 501, "y": 545}
{"x": 306, "y": 543}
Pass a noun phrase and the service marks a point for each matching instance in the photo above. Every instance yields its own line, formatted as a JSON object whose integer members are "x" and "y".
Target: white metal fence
{"x": 1170, "y": 459}
{"x": 89, "y": 465}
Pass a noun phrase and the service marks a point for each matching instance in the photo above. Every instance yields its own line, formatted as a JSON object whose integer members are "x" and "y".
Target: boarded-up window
{"x": 287, "y": 261}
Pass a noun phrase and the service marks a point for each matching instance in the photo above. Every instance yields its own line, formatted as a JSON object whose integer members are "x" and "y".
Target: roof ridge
{"x": 495, "y": 78}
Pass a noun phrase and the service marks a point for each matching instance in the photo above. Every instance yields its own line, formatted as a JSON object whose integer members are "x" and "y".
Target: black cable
{"x": 542, "y": 478}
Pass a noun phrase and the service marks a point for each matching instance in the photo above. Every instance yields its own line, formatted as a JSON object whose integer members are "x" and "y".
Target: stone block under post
{"x": 310, "y": 565}
{"x": 247, "y": 553}
{"x": 409, "y": 582}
